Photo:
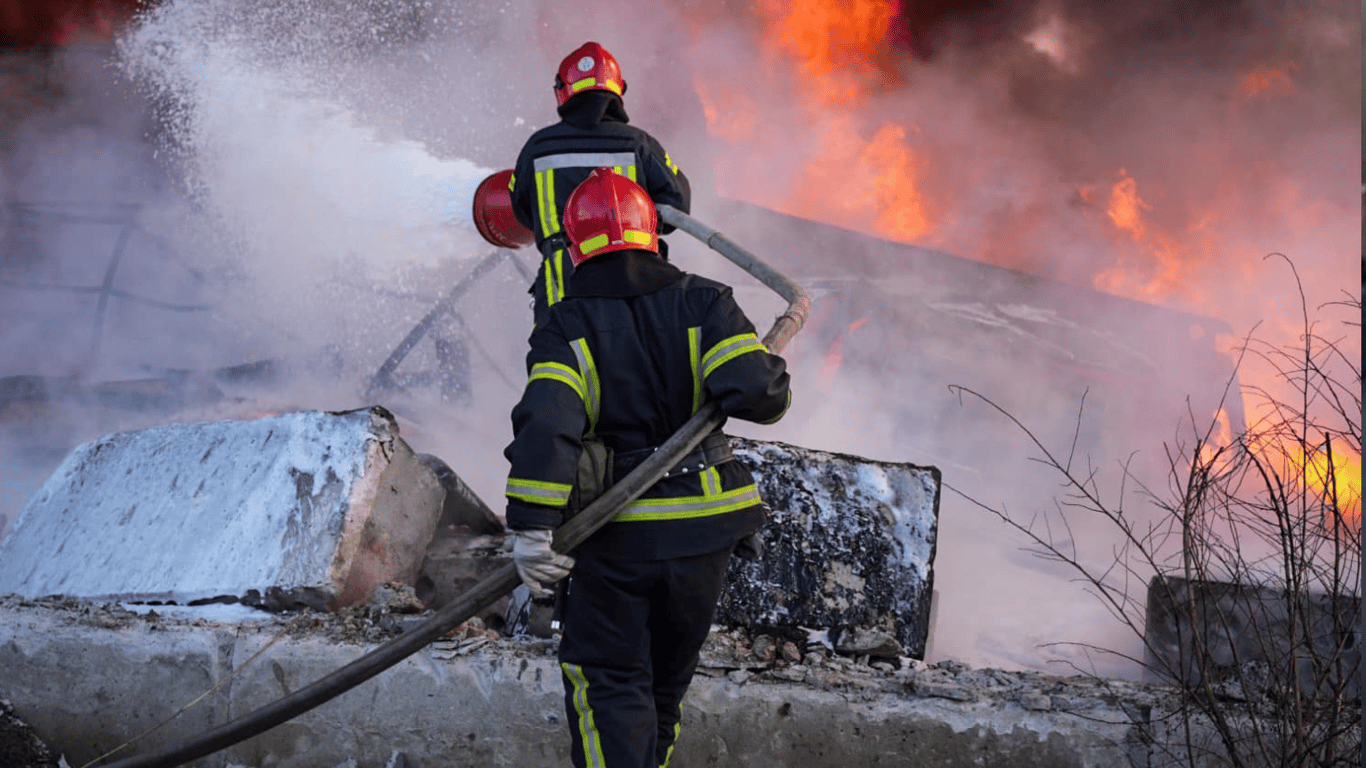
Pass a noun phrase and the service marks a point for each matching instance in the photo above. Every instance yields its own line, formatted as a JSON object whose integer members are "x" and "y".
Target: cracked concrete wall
{"x": 88, "y": 678}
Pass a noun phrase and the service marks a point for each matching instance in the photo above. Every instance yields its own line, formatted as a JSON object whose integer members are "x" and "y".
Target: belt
{"x": 556, "y": 242}
{"x": 713, "y": 450}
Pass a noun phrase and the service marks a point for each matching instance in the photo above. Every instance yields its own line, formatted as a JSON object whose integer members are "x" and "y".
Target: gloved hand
{"x": 538, "y": 564}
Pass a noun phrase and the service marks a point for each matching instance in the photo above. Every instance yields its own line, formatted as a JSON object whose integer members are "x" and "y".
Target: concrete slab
{"x": 850, "y": 546}
{"x": 90, "y": 678}
{"x": 309, "y": 507}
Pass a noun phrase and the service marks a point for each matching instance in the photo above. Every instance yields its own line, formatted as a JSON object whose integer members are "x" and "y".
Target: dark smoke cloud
{"x": 57, "y": 22}
{"x": 932, "y": 29}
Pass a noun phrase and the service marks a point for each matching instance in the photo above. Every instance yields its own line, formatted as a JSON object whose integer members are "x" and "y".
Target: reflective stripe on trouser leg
{"x": 582, "y": 725}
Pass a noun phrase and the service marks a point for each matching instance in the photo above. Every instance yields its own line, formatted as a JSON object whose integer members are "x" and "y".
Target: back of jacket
{"x": 633, "y": 351}
{"x": 594, "y": 133}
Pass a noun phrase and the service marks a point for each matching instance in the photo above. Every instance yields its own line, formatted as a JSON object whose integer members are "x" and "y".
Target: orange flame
{"x": 835, "y": 44}
{"x": 1330, "y": 473}
{"x": 1266, "y": 82}
{"x": 834, "y": 356}
{"x": 859, "y": 175}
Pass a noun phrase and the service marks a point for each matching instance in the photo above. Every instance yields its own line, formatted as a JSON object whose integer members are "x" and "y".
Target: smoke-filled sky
{"x": 290, "y": 181}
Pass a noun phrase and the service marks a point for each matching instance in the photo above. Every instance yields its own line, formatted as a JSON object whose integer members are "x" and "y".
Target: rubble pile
{"x": 20, "y": 747}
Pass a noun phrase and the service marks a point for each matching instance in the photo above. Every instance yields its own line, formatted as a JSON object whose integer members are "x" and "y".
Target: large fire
{"x": 856, "y": 163}
{"x": 866, "y": 177}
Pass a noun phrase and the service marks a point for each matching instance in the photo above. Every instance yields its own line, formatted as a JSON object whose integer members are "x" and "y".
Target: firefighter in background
{"x": 632, "y": 351}
{"x": 593, "y": 132}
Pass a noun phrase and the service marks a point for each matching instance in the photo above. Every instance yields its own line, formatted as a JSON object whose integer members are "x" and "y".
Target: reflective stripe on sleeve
{"x": 562, "y": 373}
{"x": 538, "y": 491}
{"x": 592, "y": 401}
{"x": 730, "y": 349}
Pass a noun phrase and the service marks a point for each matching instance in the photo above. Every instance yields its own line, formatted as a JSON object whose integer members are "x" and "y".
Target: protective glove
{"x": 538, "y": 564}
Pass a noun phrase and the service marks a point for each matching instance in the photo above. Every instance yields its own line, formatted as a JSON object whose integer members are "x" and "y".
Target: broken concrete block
{"x": 456, "y": 562}
{"x": 1229, "y": 634}
{"x": 850, "y": 546}
{"x": 463, "y": 510}
{"x": 304, "y": 508}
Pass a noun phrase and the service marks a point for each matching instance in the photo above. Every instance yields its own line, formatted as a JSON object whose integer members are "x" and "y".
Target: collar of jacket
{"x": 622, "y": 274}
{"x": 589, "y": 108}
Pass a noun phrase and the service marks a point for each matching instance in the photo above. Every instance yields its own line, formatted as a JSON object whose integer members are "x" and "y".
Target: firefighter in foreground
{"x": 632, "y": 351}
{"x": 593, "y": 131}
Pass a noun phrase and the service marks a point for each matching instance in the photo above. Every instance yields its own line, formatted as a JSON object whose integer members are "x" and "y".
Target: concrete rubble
{"x": 814, "y": 661}
{"x": 476, "y": 697}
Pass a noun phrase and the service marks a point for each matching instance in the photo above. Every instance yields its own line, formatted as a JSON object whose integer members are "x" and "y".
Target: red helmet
{"x": 609, "y": 212}
{"x": 590, "y": 68}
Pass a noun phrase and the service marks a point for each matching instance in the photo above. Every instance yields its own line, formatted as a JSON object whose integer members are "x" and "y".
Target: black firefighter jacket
{"x": 593, "y": 132}
{"x": 635, "y": 349}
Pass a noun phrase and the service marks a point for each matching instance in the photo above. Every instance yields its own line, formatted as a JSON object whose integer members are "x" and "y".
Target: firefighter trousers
{"x": 631, "y": 634}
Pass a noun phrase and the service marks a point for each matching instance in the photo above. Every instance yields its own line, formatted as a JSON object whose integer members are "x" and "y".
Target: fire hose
{"x": 568, "y": 536}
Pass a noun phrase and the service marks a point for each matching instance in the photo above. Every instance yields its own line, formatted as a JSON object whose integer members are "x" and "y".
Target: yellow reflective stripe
{"x": 711, "y": 482}
{"x": 631, "y": 172}
{"x": 512, "y": 181}
{"x": 678, "y": 727}
{"x": 545, "y": 202}
{"x": 617, "y": 170}
{"x": 695, "y": 360}
{"x": 728, "y": 350}
{"x": 538, "y": 491}
{"x": 783, "y": 412}
{"x": 593, "y": 244}
{"x": 588, "y": 728}
{"x": 548, "y": 272}
{"x": 669, "y": 163}
{"x": 555, "y": 290}
{"x": 559, "y": 372}
{"x": 689, "y": 507}
{"x": 593, "y": 387}
{"x": 579, "y": 85}
{"x": 597, "y": 242}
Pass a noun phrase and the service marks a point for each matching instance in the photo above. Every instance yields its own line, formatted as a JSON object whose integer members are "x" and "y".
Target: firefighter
{"x": 593, "y": 131}
{"x": 632, "y": 351}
